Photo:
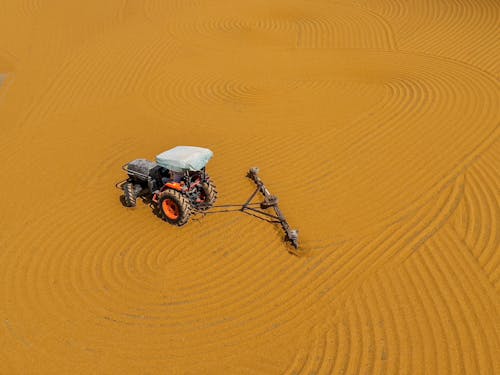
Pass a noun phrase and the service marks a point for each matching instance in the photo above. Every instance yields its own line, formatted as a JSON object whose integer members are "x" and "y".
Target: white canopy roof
{"x": 183, "y": 158}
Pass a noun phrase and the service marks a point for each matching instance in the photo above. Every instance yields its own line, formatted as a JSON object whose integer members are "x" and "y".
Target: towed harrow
{"x": 270, "y": 201}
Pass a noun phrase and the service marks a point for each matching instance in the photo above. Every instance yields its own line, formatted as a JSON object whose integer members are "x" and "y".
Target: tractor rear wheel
{"x": 174, "y": 207}
{"x": 207, "y": 196}
{"x": 129, "y": 195}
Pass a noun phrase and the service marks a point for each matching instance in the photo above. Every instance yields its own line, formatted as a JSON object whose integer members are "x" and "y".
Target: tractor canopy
{"x": 182, "y": 158}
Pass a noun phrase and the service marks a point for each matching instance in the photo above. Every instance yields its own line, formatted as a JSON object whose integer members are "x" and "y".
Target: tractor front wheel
{"x": 174, "y": 207}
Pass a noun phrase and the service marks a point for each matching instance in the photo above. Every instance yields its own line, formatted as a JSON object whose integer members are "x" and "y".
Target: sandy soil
{"x": 374, "y": 121}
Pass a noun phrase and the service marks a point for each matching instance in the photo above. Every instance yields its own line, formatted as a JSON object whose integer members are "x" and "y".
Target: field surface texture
{"x": 376, "y": 122}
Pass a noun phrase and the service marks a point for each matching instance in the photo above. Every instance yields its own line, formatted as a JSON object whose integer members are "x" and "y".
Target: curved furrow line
{"x": 331, "y": 348}
{"x": 285, "y": 145}
{"x": 378, "y": 134}
{"x": 435, "y": 222}
{"x": 82, "y": 283}
{"x": 484, "y": 235}
{"x": 427, "y": 328}
{"x": 393, "y": 337}
{"x": 379, "y": 332}
{"x": 437, "y": 16}
{"x": 172, "y": 244}
{"x": 138, "y": 291}
{"x": 389, "y": 34}
{"x": 353, "y": 355}
{"x": 237, "y": 292}
{"x": 482, "y": 232}
{"x": 412, "y": 320}
{"x": 266, "y": 316}
{"x": 45, "y": 54}
{"x": 448, "y": 106}
{"x": 441, "y": 301}
{"x": 222, "y": 24}
{"x": 481, "y": 338}
{"x": 370, "y": 332}
{"x": 495, "y": 280}
{"x": 480, "y": 286}
{"x": 316, "y": 353}
{"x": 462, "y": 216}
{"x": 158, "y": 9}
{"x": 475, "y": 219}
{"x": 118, "y": 69}
{"x": 121, "y": 72}
{"x": 337, "y": 348}
{"x": 456, "y": 32}
{"x": 176, "y": 95}
{"x": 424, "y": 283}
{"x": 313, "y": 30}
{"x": 418, "y": 351}
{"x": 411, "y": 234}
{"x": 146, "y": 60}
{"x": 490, "y": 160}
{"x": 485, "y": 293}
{"x": 220, "y": 91}
{"x": 216, "y": 31}
{"x": 395, "y": 244}
{"x": 490, "y": 239}
{"x": 344, "y": 338}
{"x": 407, "y": 336}
{"x": 453, "y": 297}
{"x": 29, "y": 7}
{"x": 90, "y": 176}
{"x": 286, "y": 24}
{"x": 467, "y": 29}
{"x": 27, "y": 297}
{"x": 242, "y": 256}
{"x": 351, "y": 27}
{"x": 396, "y": 134}
{"x": 387, "y": 9}
{"x": 346, "y": 87}
{"x": 360, "y": 356}
{"x": 240, "y": 337}
{"x": 300, "y": 360}
{"x": 365, "y": 253}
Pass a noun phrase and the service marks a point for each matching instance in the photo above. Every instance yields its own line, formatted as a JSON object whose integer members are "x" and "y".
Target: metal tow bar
{"x": 270, "y": 200}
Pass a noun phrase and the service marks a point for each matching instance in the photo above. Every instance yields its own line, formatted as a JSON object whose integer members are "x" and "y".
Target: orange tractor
{"x": 177, "y": 183}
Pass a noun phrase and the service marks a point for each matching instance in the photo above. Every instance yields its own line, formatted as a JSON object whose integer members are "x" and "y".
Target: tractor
{"x": 177, "y": 183}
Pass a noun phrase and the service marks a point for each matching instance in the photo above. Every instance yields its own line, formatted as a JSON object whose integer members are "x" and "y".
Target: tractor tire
{"x": 208, "y": 196}
{"x": 129, "y": 195}
{"x": 174, "y": 207}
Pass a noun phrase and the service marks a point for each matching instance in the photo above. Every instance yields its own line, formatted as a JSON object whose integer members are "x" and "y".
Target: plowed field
{"x": 376, "y": 122}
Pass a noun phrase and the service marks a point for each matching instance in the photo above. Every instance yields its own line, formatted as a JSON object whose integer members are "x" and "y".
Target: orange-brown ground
{"x": 374, "y": 121}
